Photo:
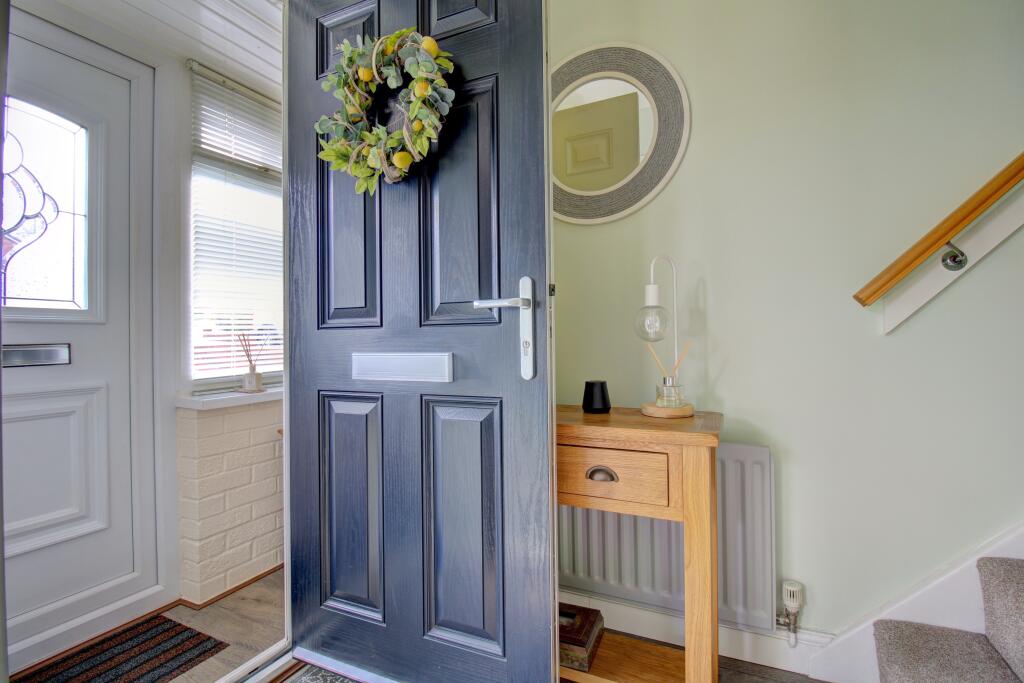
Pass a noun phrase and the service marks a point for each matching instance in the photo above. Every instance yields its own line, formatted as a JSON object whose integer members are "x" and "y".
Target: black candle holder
{"x": 595, "y": 397}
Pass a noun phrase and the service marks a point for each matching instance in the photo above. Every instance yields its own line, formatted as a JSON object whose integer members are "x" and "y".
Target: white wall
{"x": 827, "y": 136}
{"x": 230, "y": 469}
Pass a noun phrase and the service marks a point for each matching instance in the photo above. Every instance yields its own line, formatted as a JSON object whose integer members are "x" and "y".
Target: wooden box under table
{"x": 579, "y": 633}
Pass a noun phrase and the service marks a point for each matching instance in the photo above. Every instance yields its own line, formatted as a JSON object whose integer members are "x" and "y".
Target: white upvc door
{"x": 79, "y": 487}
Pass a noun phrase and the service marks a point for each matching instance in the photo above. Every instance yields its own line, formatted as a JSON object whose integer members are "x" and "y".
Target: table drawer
{"x": 633, "y": 476}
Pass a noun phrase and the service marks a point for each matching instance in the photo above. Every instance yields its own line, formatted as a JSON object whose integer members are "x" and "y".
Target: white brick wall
{"x": 230, "y": 497}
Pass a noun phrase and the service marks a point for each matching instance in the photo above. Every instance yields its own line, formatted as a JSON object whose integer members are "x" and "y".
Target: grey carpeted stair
{"x": 1002, "y": 586}
{"x": 921, "y": 653}
{"x": 909, "y": 652}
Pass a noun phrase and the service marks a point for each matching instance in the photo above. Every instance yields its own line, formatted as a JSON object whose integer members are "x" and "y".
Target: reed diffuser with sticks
{"x": 252, "y": 381}
{"x": 669, "y": 401}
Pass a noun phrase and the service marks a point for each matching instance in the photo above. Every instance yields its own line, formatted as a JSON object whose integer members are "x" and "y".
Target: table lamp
{"x": 651, "y": 325}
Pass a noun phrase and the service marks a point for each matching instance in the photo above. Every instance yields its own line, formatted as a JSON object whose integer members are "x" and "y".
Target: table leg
{"x": 700, "y": 528}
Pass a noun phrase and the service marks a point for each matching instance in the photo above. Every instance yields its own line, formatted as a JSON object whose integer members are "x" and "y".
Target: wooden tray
{"x": 652, "y": 410}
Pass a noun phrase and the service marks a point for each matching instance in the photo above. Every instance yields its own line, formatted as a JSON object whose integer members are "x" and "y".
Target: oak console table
{"x": 627, "y": 462}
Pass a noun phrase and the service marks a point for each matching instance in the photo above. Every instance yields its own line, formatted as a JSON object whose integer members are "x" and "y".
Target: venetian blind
{"x": 230, "y": 124}
{"x": 236, "y": 232}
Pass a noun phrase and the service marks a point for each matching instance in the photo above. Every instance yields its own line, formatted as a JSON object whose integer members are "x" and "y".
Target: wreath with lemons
{"x": 364, "y": 149}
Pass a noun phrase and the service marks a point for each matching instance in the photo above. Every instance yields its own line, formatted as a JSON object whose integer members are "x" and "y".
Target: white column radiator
{"x": 640, "y": 560}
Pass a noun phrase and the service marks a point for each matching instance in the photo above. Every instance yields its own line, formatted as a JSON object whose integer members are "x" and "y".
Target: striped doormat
{"x": 151, "y": 651}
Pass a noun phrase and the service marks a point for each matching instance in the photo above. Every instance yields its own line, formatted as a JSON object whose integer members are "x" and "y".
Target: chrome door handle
{"x": 524, "y": 302}
{"x": 515, "y": 302}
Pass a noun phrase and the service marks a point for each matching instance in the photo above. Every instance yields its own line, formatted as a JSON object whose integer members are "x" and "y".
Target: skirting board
{"x": 220, "y": 596}
{"x": 767, "y": 649}
{"x": 951, "y": 598}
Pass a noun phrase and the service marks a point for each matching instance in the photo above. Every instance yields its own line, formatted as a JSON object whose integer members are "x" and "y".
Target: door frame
{"x": 5, "y": 23}
{"x": 156, "y": 229}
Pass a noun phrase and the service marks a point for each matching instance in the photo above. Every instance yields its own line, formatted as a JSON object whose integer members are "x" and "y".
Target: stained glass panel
{"x": 45, "y": 219}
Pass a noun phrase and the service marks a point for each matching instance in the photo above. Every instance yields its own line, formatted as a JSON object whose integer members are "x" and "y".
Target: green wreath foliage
{"x": 365, "y": 149}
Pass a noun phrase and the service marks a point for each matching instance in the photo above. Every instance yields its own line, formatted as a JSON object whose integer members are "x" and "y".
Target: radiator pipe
{"x": 792, "y": 601}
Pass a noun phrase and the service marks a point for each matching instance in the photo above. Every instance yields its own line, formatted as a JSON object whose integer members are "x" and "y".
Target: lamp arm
{"x": 675, "y": 298}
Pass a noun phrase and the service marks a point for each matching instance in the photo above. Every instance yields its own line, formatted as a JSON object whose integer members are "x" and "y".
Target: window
{"x": 236, "y": 230}
{"x": 45, "y": 257}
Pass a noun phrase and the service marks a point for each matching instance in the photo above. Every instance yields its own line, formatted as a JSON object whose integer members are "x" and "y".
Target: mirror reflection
{"x": 600, "y": 133}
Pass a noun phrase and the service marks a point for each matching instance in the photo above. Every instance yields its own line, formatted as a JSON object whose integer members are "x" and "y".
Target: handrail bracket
{"x": 954, "y": 259}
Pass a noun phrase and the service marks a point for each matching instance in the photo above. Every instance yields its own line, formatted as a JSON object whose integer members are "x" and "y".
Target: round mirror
{"x": 620, "y": 122}
{"x": 601, "y": 132}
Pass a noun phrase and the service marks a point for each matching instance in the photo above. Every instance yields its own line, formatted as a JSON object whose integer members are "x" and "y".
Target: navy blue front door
{"x": 421, "y": 532}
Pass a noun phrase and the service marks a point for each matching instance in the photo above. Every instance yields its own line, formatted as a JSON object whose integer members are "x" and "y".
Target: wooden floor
{"x": 626, "y": 659}
{"x": 249, "y": 621}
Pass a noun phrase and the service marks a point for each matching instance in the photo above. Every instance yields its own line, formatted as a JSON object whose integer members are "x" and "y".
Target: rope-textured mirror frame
{"x": 667, "y": 94}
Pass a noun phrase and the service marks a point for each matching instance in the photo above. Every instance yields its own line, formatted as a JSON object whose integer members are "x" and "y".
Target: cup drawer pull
{"x": 602, "y": 473}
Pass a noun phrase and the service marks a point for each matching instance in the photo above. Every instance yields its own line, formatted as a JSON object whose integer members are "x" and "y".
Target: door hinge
{"x": 551, "y": 289}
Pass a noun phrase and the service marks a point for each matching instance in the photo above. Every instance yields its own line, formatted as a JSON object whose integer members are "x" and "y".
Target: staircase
{"x": 909, "y": 652}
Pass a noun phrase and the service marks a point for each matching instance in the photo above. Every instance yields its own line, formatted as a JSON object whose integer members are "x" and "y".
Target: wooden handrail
{"x": 937, "y": 237}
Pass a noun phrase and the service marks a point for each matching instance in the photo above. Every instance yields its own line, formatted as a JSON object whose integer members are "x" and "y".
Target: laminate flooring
{"x": 626, "y": 659}
{"x": 249, "y": 620}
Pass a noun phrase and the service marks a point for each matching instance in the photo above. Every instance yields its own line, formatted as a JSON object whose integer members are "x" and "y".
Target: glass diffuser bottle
{"x": 669, "y": 394}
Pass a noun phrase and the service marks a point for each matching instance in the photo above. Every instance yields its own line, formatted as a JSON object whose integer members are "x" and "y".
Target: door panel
{"x": 453, "y": 579}
{"x": 349, "y": 265}
{"x": 60, "y": 493}
{"x": 460, "y": 217}
{"x": 348, "y": 22}
{"x": 348, "y": 224}
{"x": 354, "y": 524}
{"x": 462, "y": 522}
{"x": 445, "y": 18}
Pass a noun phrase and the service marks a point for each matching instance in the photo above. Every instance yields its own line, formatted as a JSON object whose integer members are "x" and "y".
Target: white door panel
{"x": 60, "y": 492}
{"x": 78, "y": 452}
{"x": 64, "y": 500}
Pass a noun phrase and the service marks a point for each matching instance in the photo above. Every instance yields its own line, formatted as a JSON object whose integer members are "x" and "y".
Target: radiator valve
{"x": 792, "y": 601}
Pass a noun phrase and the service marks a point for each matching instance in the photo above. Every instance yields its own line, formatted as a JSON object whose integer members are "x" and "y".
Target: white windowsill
{"x": 228, "y": 399}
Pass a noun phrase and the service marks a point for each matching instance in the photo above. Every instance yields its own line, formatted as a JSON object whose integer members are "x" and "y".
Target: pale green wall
{"x": 827, "y": 136}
